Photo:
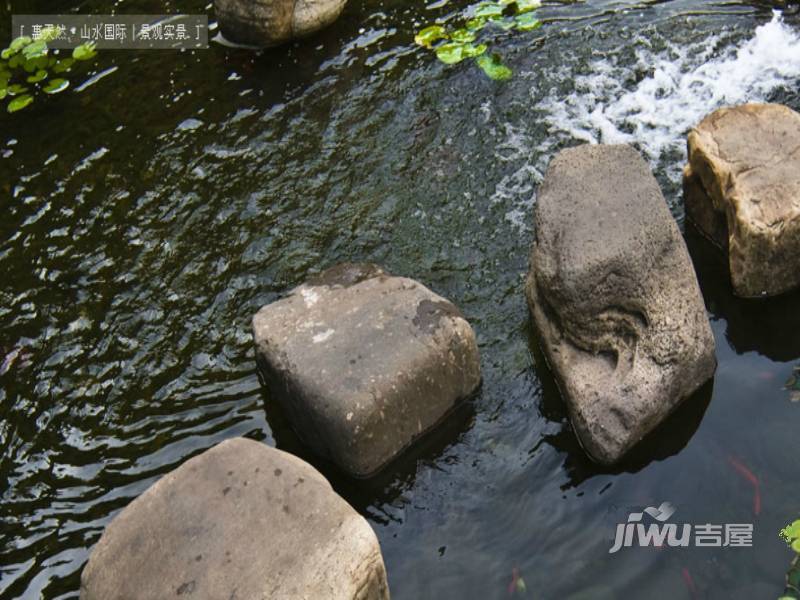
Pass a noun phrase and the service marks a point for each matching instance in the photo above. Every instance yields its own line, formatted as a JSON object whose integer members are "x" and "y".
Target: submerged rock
{"x": 614, "y": 298}
{"x": 272, "y": 22}
{"x": 742, "y": 190}
{"x": 363, "y": 362}
{"x": 241, "y": 520}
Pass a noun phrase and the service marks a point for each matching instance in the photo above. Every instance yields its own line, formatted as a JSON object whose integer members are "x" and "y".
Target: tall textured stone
{"x": 614, "y": 298}
{"x": 742, "y": 191}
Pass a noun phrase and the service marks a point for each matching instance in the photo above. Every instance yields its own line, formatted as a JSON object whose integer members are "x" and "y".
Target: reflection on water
{"x": 147, "y": 218}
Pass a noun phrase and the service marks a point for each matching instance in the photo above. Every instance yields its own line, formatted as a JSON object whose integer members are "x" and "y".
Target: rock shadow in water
{"x": 769, "y": 326}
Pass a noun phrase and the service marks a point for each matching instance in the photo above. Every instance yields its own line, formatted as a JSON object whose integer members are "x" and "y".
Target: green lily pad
{"x": 450, "y": 53}
{"x": 39, "y": 76}
{"x": 792, "y": 531}
{"x": 504, "y": 24}
{"x": 471, "y": 51}
{"x": 3, "y": 93}
{"x": 17, "y": 89}
{"x": 16, "y": 61}
{"x": 54, "y": 86}
{"x": 476, "y": 24}
{"x": 526, "y": 6}
{"x": 85, "y": 51}
{"x": 463, "y": 36}
{"x": 454, "y": 52}
{"x": 487, "y": 10}
{"x": 6, "y": 53}
{"x": 430, "y": 34}
{"x": 35, "y": 49}
{"x": 19, "y": 103}
{"x": 19, "y": 43}
{"x": 493, "y": 68}
{"x": 527, "y": 22}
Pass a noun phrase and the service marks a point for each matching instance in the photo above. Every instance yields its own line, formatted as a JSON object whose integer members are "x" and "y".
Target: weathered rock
{"x": 242, "y": 520}
{"x": 363, "y": 362}
{"x": 742, "y": 190}
{"x": 272, "y": 22}
{"x": 614, "y": 298}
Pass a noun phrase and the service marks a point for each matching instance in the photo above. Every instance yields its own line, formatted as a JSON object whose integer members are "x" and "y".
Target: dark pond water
{"x": 146, "y": 219}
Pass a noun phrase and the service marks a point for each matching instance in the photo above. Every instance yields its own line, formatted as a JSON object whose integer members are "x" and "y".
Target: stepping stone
{"x": 364, "y": 363}
{"x": 241, "y": 520}
{"x": 614, "y": 298}
{"x": 265, "y": 23}
{"x": 742, "y": 191}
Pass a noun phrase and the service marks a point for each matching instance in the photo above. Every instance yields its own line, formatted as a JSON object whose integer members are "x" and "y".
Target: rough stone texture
{"x": 242, "y": 520}
{"x": 363, "y": 362}
{"x": 742, "y": 190}
{"x": 614, "y": 298}
{"x": 272, "y": 22}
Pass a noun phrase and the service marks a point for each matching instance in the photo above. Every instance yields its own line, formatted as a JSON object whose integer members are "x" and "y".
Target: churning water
{"x": 614, "y": 104}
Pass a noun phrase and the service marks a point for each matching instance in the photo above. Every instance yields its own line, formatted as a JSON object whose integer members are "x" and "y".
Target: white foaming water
{"x": 684, "y": 85}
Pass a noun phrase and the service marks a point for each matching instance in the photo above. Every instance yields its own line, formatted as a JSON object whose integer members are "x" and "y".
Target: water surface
{"x": 149, "y": 216}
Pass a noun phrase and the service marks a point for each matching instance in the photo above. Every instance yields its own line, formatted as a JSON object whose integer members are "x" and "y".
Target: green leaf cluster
{"x": 451, "y": 46}
{"x": 791, "y": 535}
{"x": 27, "y": 67}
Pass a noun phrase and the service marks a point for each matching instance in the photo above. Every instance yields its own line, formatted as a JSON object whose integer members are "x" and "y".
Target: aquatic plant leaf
{"x": 85, "y": 51}
{"x": 3, "y": 93}
{"x": 487, "y": 10}
{"x": 430, "y": 34}
{"x": 16, "y": 61}
{"x": 6, "y": 53}
{"x": 450, "y": 53}
{"x": 526, "y": 6}
{"x": 17, "y": 89}
{"x": 61, "y": 65}
{"x": 504, "y": 24}
{"x": 55, "y": 86}
{"x": 791, "y": 532}
{"x": 19, "y": 103}
{"x": 476, "y": 24}
{"x": 463, "y": 36}
{"x": 35, "y": 49}
{"x": 493, "y": 68}
{"x": 527, "y": 22}
{"x": 39, "y": 76}
{"x": 471, "y": 51}
{"x": 19, "y": 43}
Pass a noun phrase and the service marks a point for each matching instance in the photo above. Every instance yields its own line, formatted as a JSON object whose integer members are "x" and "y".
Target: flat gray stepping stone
{"x": 241, "y": 520}
{"x": 364, "y": 362}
